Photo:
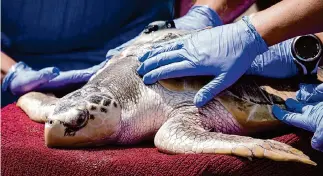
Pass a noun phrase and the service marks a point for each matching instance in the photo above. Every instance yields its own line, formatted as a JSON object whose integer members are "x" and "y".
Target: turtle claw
{"x": 272, "y": 150}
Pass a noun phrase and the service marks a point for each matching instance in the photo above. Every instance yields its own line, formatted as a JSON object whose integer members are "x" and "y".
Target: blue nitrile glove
{"x": 21, "y": 78}
{"x": 72, "y": 77}
{"x": 310, "y": 93}
{"x": 277, "y": 62}
{"x": 306, "y": 116}
{"x": 225, "y": 52}
{"x": 198, "y": 17}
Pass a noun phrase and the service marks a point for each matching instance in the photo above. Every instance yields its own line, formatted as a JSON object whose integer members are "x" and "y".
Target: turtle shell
{"x": 251, "y": 98}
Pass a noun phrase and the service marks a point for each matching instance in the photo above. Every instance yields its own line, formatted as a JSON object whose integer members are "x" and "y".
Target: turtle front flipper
{"x": 37, "y": 106}
{"x": 186, "y": 133}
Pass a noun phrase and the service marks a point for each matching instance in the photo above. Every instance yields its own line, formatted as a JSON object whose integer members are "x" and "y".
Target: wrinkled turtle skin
{"x": 115, "y": 107}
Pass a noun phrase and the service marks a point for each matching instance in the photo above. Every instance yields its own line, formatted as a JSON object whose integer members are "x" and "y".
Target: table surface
{"x": 24, "y": 153}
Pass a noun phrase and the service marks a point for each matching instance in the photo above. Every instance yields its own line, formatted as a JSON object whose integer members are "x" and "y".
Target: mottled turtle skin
{"x": 116, "y": 107}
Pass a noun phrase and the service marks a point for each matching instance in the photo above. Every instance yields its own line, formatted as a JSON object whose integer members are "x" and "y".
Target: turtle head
{"x": 93, "y": 120}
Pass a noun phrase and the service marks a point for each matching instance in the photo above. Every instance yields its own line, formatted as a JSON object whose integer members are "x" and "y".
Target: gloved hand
{"x": 72, "y": 77}
{"x": 198, "y": 17}
{"x": 277, "y": 62}
{"x": 225, "y": 52}
{"x": 310, "y": 93}
{"x": 22, "y": 79}
{"x": 306, "y": 116}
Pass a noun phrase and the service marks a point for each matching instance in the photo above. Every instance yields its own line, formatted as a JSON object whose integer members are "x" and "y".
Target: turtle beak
{"x": 61, "y": 131}
{"x": 54, "y": 134}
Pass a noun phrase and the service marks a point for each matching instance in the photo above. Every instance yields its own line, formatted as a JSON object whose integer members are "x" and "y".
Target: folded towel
{"x": 24, "y": 153}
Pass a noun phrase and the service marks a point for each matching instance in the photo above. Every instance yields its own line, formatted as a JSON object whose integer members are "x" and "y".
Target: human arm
{"x": 227, "y": 52}
{"x": 287, "y": 19}
{"x": 205, "y": 13}
{"x": 19, "y": 78}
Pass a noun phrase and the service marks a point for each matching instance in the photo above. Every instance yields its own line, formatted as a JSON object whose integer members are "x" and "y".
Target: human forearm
{"x": 288, "y": 19}
{"x": 6, "y": 63}
{"x": 226, "y": 9}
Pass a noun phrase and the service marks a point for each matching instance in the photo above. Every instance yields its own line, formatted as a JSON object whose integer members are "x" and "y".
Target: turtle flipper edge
{"x": 37, "y": 105}
{"x": 184, "y": 133}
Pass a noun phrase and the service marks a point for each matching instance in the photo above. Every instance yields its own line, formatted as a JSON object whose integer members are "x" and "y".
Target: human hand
{"x": 225, "y": 52}
{"x": 72, "y": 77}
{"x": 303, "y": 115}
{"x": 21, "y": 78}
{"x": 277, "y": 62}
{"x": 198, "y": 17}
{"x": 310, "y": 93}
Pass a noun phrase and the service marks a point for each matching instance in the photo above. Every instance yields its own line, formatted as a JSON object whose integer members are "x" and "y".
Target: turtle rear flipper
{"x": 185, "y": 133}
{"x": 37, "y": 106}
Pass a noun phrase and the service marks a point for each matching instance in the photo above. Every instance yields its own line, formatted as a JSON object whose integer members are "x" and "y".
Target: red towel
{"x": 24, "y": 153}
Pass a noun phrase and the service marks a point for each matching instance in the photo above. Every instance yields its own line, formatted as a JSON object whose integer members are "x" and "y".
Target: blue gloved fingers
{"x": 174, "y": 70}
{"x": 296, "y": 106}
{"x": 310, "y": 118}
{"x": 225, "y": 51}
{"x": 65, "y": 78}
{"x": 48, "y": 73}
{"x": 198, "y": 17}
{"x": 210, "y": 90}
{"x": 159, "y": 61}
{"x": 158, "y": 50}
{"x": 277, "y": 62}
{"x": 291, "y": 118}
{"x": 310, "y": 93}
{"x": 34, "y": 79}
{"x": 22, "y": 66}
{"x": 305, "y": 91}
{"x": 75, "y": 76}
{"x": 72, "y": 77}
{"x": 317, "y": 139}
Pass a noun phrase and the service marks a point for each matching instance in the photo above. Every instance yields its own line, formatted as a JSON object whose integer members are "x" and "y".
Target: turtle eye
{"x": 80, "y": 120}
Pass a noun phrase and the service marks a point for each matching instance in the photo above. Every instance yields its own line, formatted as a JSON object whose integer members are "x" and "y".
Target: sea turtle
{"x": 116, "y": 107}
